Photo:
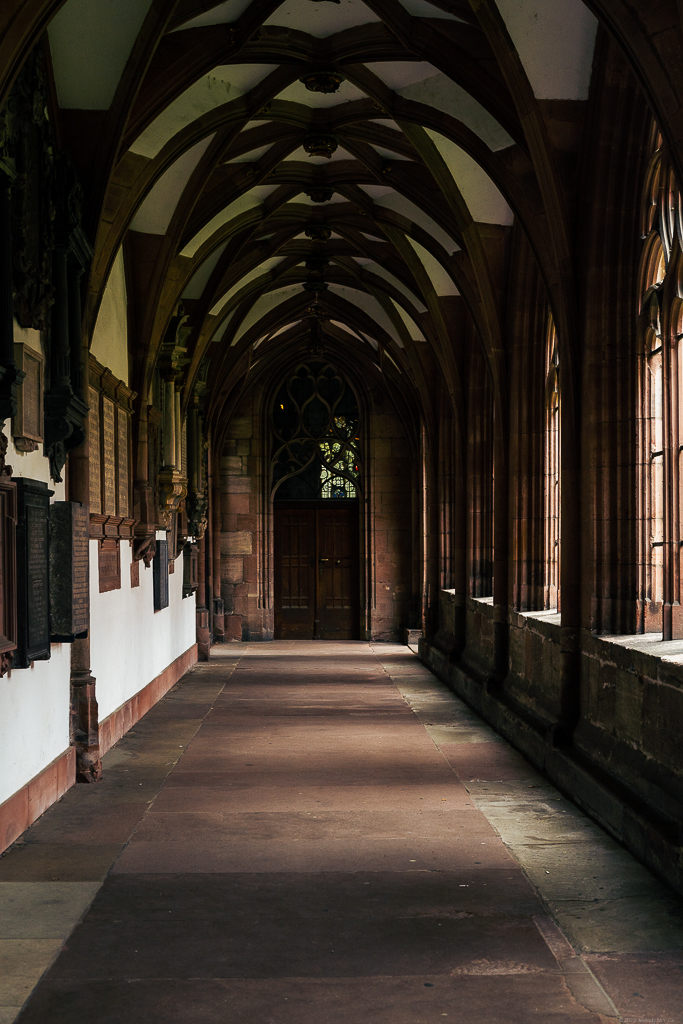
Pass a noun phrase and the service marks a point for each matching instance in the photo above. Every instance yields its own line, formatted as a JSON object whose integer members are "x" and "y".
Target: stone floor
{"x": 382, "y": 858}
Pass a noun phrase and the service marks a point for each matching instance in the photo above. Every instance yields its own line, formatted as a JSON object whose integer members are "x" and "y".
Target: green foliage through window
{"x": 316, "y": 435}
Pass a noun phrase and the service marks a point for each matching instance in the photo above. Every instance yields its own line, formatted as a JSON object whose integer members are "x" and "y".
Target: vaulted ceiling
{"x": 358, "y": 162}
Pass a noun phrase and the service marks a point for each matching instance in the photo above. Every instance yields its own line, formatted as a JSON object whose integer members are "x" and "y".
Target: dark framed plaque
{"x": 27, "y": 426}
{"x": 33, "y": 599}
{"x": 109, "y": 564}
{"x": 160, "y": 567}
{"x": 8, "y": 568}
{"x": 69, "y": 571}
{"x": 190, "y": 569}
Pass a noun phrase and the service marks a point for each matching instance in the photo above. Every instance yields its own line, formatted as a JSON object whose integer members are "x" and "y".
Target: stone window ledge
{"x": 649, "y": 644}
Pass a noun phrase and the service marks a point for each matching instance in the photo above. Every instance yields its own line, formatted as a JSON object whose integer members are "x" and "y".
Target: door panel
{"x": 295, "y": 581}
{"x": 316, "y": 573}
{"x": 337, "y": 573}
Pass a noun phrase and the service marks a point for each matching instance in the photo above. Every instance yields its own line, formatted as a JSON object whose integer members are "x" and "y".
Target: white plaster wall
{"x": 130, "y": 643}
{"x": 110, "y": 338}
{"x": 34, "y": 711}
{"x": 34, "y": 702}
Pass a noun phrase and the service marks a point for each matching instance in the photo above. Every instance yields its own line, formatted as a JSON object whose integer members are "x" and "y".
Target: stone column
{"x": 84, "y": 711}
{"x": 169, "y": 424}
{"x": 218, "y": 609}
{"x": 178, "y": 431}
{"x": 203, "y": 634}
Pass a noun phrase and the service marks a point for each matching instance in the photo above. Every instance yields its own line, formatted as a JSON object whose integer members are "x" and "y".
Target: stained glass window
{"x": 316, "y": 435}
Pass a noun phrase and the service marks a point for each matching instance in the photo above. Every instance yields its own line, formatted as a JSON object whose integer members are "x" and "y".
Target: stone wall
{"x": 247, "y": 616}
{"x": 622, "y": 761}
{"x": 388, "y": 588}
{"x": 391, "y": 519}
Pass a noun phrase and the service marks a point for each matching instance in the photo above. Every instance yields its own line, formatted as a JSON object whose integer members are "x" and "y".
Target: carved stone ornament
{"x": 173, "y": 355}
{"x": 322, "y": 80}
{"x": 314, "y": 285}
{"x": 172, "y": 490}
{"x": 319, "y": 194}
{"x": 320, "y": 144}
{"x": 318, "y": 232}
{"x": 144, "y": 549}
{"x": 197, "y": 514}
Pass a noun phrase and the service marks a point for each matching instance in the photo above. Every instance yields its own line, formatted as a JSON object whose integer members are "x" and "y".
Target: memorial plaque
{"x": 33, "y": 605}
{"x": 122, "y": 458}
{"x": 27, "y": 427}
{"x": 69, "y": 582}
{"x": 95, "y": 453}
{"x": 190, "y": 569}
{"x": 160, "y": 566}
{"x": 108, "y": 456}
{"x": 109, "y": 565}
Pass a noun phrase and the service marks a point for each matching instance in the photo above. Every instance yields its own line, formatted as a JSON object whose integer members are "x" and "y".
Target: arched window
{"x": 316, "y": 435}
{"x": 660, "y": 394}
{"x": 551, "y": 581}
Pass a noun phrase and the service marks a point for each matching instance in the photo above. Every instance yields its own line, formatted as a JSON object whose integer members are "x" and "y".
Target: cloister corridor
{"x": 308, "y": 832}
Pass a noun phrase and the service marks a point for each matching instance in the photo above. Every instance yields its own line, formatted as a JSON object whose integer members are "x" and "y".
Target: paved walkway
{"x": 321, "y": 833}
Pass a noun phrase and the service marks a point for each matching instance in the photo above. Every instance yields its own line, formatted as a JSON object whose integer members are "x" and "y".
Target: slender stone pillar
{"x": 218, "y": 609}
{"x": 169, "y": 424}
{"x": 203, "y": 633}
{"x": 84, "y": 711}
{"x": 178, "y": 431}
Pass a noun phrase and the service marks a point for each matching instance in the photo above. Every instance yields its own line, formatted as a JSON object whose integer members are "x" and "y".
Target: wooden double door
{"x": 316, "y": 572}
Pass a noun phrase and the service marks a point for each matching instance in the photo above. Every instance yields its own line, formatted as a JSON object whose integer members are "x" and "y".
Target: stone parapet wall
{"x": 622, "y": 763}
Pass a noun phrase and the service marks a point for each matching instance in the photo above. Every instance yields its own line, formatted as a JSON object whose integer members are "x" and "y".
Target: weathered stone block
{"x": 233, "y": 627}
{"x": 231, "y": 465}
{"x": 662, "y": 722}
{"x": 628, "y": 712}
{"x": 232, "y": 569}
{"x": 237, "y": 504}
{"x": 236, "y": 485}
{"x": 241, "y": 427}
{"x": 236, "y": 544}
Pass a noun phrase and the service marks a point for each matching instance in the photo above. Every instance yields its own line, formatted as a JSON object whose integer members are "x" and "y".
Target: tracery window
{"x": 316, "y": 438}
{"x": 551, "y": 581}
{"x": 660, "y": 328}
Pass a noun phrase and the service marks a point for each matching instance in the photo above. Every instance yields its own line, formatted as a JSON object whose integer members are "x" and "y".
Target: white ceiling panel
{"x": 484, "y": 200}
{"x": 199, "y": 281}
{"x": 321, "y": 19}
{"x": 399, "y": 204}
{"x": 90, "y": 44}
{"x": 223, "y": 85}
{"x": 443, "y": 94}
{"x": 555, "y": 40}
{"x": 442, "y": 282}
{"x": 223, "y": 14}
{"x": 241, "y": 205}
{"x": 156, "y": 211}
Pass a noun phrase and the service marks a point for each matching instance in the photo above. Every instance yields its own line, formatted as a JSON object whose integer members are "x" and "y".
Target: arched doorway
{"x": 316, "y": 482}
